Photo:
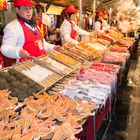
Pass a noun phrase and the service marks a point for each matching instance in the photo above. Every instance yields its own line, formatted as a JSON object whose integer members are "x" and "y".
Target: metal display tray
{"x": 56, "y": 66}
{"x": 46, "y": 82}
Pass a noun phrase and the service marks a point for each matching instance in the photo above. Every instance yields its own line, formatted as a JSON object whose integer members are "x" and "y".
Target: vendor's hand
{"x": 57, "y": 48}
{"x": 24, "y": 54}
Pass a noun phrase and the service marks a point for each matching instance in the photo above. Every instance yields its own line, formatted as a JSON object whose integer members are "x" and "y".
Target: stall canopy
{"x": 129, "y": 7}
{"x": 87, "y": 4}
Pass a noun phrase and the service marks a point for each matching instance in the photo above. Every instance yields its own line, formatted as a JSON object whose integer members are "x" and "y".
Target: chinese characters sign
{"x": 3, "y": 4}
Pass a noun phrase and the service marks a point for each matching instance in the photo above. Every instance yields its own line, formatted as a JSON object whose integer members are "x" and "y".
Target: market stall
{"x": 88, "y": 91}
{"x": 66, "y": 94}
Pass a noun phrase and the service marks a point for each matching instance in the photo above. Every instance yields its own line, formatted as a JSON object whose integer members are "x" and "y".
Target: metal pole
{"x": 94, "y": 12}
{"x": 110, "y": 12}
{"x": 80, "y": 6}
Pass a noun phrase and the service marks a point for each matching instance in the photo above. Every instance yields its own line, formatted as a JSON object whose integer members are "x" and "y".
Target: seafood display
{"x": 51, "y": 97}
{"x": 110, "y": 68}
{"x": 76, "y": 52}
{"x": 7, "y": 105}
{"x": 40, "y": 74}
{"x": 55, "y": 117}
{"x": 67, "y": 60}
{"x": 97, "y": 76}
{"x": 88, "y": 91}
{"x": 126, "y": 41}
{"x": 115, "y": 34}
{"x": 90, "y": 49}
{"x": 97, "y": 46}
{"x": 115, "y": 58}
{"x": 93, "y": 84}
{"x": 106, "y": 37}
{"x": 19, "y": 85}
{"x": 118, "y": 48}
{"x": 104, "y": 42}
{"x": 60, "y": 67}
{"x": 37, "y": 73}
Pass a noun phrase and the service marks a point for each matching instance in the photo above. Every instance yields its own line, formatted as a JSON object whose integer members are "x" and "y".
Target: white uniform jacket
{"x": 13, "y": 40}
{"x": 105, "y": 25}
{"x": 65, "y": 32}
{"x": 98, "y": 26}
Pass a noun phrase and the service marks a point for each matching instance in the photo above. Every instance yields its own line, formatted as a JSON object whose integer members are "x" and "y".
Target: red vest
{"x": 73, "y": 34}
{"x": 33, "y": 41}
{"x": 101, "y": 27}
{"x": 31, "y": 45}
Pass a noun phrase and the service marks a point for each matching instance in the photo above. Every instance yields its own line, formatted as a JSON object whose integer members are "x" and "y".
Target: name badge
{"x": 39, "y": 44}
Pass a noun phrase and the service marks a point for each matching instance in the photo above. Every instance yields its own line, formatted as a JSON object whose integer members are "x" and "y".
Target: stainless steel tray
{"x": 45, "y": 82}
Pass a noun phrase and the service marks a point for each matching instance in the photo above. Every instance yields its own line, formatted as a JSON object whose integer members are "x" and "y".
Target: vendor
{"x": 98, "y": 23}
{"x": 105, "y": 24}
{"x": 22, "y": 37}
{"x": 69, "y": 30}
{"x": 38, "y": 20}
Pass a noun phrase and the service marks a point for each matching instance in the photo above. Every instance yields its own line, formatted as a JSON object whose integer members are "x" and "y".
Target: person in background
{"x": 105, "y": 24}
{"x": 98, "y": 23}
{"x": 38, "y": 19}
{"x": 68, "y": 29}
{"x": 114, "y": 22}
{"x": 123, "y": 25}
{"x": 22, "y": 38}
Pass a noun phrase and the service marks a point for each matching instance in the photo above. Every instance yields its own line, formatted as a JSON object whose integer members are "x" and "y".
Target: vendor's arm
{"x": 47, "y": 46}
{"x": 80, "y": 31}
{"x": 10, "y": 43}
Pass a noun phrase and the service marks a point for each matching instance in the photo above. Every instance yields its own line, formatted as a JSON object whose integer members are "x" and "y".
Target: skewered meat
{"x": 37, "y": 73}
{"x": 60, "y": 57}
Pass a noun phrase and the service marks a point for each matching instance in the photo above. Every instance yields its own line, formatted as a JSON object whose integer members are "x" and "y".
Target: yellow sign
{"x": 55, "y": 10}
{"x": 3, "y": 4}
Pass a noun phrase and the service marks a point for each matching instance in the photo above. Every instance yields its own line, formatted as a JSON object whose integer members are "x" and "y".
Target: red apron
{"x": 101, "y": 28}
{"x": 33, "y": 41}
{"x": 73, "y": 32}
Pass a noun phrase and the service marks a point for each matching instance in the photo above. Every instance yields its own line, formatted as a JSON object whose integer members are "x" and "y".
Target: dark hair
{"x": 68, "y": 15}
{"x": 39, "y": 8}
{"x": 17, "y": 7}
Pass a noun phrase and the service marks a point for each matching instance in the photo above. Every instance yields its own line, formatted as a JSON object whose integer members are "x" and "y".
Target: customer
{"x": 38, "y": 19}
{"x": 69, "y": 30}
{"x": 22, "y": 38}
